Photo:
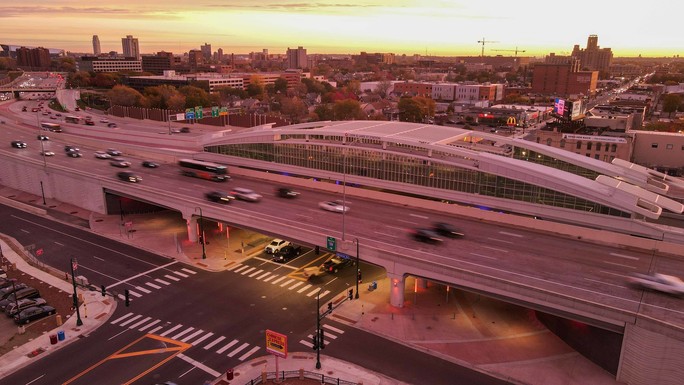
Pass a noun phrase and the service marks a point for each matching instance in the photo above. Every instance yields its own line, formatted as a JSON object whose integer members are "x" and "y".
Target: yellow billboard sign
{"x": 276, "y": 343}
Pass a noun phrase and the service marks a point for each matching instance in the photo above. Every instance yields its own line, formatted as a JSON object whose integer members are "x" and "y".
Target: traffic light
{"x": 315, "y": 341}
{"x": 127, "y": 297}
{"x": 201, "y": 240}
{"x": 104, "y": 290}
{"x": 321, "y": 339}
{"x": 358, "y": 275}
{"x": 350, "y": 294}
{"x": 318, "y": 250}
{"x": 329, "y": 306}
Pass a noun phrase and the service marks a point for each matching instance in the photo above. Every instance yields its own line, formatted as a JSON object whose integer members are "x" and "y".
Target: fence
{"x": 300, "y": 374}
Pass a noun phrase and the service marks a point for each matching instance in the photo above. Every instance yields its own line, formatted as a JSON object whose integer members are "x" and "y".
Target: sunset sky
{"x": 433, "y": 27}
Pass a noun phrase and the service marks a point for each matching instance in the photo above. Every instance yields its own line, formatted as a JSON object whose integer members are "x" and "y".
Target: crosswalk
{"x": 284, "y": 281}
{"x": 197, "y": 337}
{"x": 331, "y": 334}
{"x": 168, "y": 278}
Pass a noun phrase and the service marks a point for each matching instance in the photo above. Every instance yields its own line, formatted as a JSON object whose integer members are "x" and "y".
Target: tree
{"x": 294, "y": 108}
{"x": 104, "y": 80}
{"x": 280, "y": 85}
{"x": 348, "y": 109}
{"x": 427, "y": 106}
{"x": 66, "y": 64}
{"x": 195, "y": 96}
{"x": 79, "y": 79}
{"x": 226, "y": 92}
{"x": 671, "y": 103}
{"x": 382, "y": 88}
{"x": 255, "y": 87}
{"x": 161, "y": 96}
{"x": 126, "y": 96}
{"x": 324, "y": 112}
{"x": 409, "y": 110}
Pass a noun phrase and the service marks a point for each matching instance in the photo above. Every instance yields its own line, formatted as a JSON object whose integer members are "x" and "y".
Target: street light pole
{"x": 75, "y": 297}
{"x": 358, "y": 268}
{"x": 318, "y": 328}
{"x": 202, "y": 240}
{"x": 344, "y": 189}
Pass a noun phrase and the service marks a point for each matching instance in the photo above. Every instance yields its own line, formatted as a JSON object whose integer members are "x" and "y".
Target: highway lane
{"x": 557, "y": 264}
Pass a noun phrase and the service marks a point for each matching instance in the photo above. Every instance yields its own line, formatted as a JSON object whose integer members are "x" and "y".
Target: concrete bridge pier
{"x": 397, "y": 283}
{"x": 192, "y": 226}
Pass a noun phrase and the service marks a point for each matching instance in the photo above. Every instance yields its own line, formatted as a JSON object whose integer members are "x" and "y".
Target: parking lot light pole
{"x": 202, "y": 240}
{"x": 14, "y": 290}
{"x": 74, "y": 265}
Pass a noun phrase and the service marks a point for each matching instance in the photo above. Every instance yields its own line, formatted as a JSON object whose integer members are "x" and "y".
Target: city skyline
{"x": 442, "y": 28}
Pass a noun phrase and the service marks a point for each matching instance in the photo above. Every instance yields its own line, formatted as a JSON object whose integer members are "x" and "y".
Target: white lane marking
{"x": 204, "y": 337}
{"x": 162, "y": 281}
{"x": 386, "y": 235}
{"x": 233, "y": 267}
{"x": 409, "y": 222}
{"x": 140, "y": 288}
{"x": 255, "y": 273}
{"x": 36, "y": 379}
{"x": 295, "y": 285}
{"x": 263, "y": 275}
{"x": 193, "y": 335}
{"x": 199, "y": 365}
{"x": 500, "y": 240}
{"x": 511, "y": 234}
{"x": 495, "y": 249}
{"x": 133, "y": 293}
{"x": 625, "y": 256}
{"x": 314, "y": 292}
{"x": 122, "y": 318}
{"x": 249, "y": 353}
{"x": 418, "y": 216}
{"x": 26, "y": 231}
{"x": 188, "y": 271}
{"x": 171, "y": 277}
{"x": 116, "y": 335}
{"x": 325, "y": 293}
{"x": 150, "y": 284}
{"x": 236, "y": 351}
{"x": 101, "y": 259}
{"x": 397, "y": 228}
{"x": 279, "y": 279}
{"x": 173, "y": 329}
{"x": 180, "y": 274}
{"x": 227, "y": 346}
{"x": 135, "y": 325}
{"x": 149, "y": 325}
{"x": 336, "y": 330}
{"x": 57, "y": 243}
{"x": 286, "y": 282}
{"x": 216, "y": 341}
{"x": 605, "y": 283}
{"x": 304, "y": 288}
{"x": 483, "y": 256}
{"x": 132, "y": 319}
{"x": 179, "y": 335}
{"x": 619, "y": 264}
{"x": 270, "y": 278}
{"x": 143, "y": 273}
{"x": 241, "y": 268}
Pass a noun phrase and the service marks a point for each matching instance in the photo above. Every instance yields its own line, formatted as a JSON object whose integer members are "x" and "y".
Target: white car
{"x": 659, "y": 282}
{"x": 334, "y": 206}
{"x": 246, "y": 194}
{"x": 276, "y": 245}
{"x": 47, "y": 153}
{"x": 102, "y": 155}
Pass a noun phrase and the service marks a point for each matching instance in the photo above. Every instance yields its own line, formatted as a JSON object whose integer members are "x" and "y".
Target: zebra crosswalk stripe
{"x": 241, "y": 268}
{"x": 173, "y": 329}
{"x": 249, "y": 353}
{"x": 332, "y": 328}
{"x": 325, "y": 293}
{"x": 295, "y": 285}
{"x": 142, "y": 329}
{"x": 230, "y": 268}
{"x": 193, "y": 335}
{"x": 314, "y": 291}
{"x": 132, "y": 319}
{"x": 270, "y": 278}
{"x": 255, "y": 273}
{"x": 286, "y": 282}
{"x": 135, "y": 325}
{"x": 204, "y": 337}
{"x": 188, "y": 271}
{"x": 162, "y": 281}
{"x": 135, "y": 294}
{"x": 279, "y": 279}
{"x": 227, "y": 346}
{"x": 216, "y": 341}
{"x": 123, "y": 317}
{"x": 156, "y": 329}
{"x": 171, "y": 277}
{"x": 150, "y": 284}
{"x": 179, "y": 335}
{"x": 180, "y": 274}
{"x": 248, "y": 270}
{"x": 236, "y": 351}
{"x": 304, "y": 288}
{"x": 263, "y": 275}
{"x": 140, "y": 288}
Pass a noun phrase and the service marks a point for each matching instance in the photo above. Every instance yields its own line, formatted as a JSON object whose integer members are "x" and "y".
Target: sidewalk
{"x": 502, "y": 340}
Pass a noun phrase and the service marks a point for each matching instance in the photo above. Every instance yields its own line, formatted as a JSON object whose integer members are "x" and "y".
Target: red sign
{"x": 39, "y": 252}
{"x": 276, "y": 343}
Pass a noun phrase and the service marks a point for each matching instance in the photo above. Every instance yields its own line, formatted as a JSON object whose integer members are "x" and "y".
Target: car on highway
{"x": 335, "y": 264}
{"x": 150, "y": 164}
{"x": 112, "y": 125}
{"x": 74, "y": 154}
{"x": 43, "y": 137}
{"x": 447, "y": 230}
{"x": 334, "y": 206}
{"x": 287, "y": 253}
{"x": 89, "y": 123}
{"x": 113, "y": 152}
{"x": 24, "y": 109}
{"x": 246, "y": 194}
{"x": 68, "y": 148}
{"x": 663, "y": 283}
{"x": 120, "y": 162}
{"x": 102, "y": 155}
{"x": 47, "y": 153}
{"x": 276, "y": 245}
{"x": 18, "y": 144}
{"x": 219, "y": 197}
{"x": 33, "y": 313}
{"x": 103, "y": 120}
{"x": 129, "y": 176}
{"x": 426, "y": 235}
{"x": 25, "y": 303}
{"x": 285, "y": 192}
{"x": 184, "y": 130}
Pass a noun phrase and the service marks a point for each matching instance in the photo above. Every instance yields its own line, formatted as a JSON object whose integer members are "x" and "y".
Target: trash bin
{"x": 229, "y": 374}
{"x": 60, "y": 335}
{"x": 53, "y": 339}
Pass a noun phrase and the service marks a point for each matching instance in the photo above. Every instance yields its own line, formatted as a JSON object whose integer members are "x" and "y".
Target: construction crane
{"x": 483, "y": 41}
{"x": 516, "y": 50}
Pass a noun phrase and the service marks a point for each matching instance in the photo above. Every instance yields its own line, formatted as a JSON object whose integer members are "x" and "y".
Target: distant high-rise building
{"x": 33, "y": 59}
{"x": 593, "y": 58}
{"x": 206, "y": 51}
{"x": 97, "y": 50}
{"x": 219, "y": 55}
{"x": 195, "y": 59}
{"x": 130, "y": 47}
{"x": 157, "y": 64}
{"x": 296, "y": 58}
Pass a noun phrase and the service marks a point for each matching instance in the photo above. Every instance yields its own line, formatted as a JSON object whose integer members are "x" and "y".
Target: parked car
{"x": 335, "y": 264}
{"x": 12, "y": 309}
{"x": 18, "y": 144}
{"x": 129, "y": 176}
{"x": 33, "y": 313}
{"x": 113, "y": 152}
{"x": 285, "y": 192}
{"x": 47, "y": 153}
{"x": 287, "y": 253}
{"x": 663, "y": 283}
{"x": 245, "y": 194}
{"x": 427, "y": 236}
{"x": 447, "y": 230}
{"x": 5, "y": 292}
{"x": 120, "y": 162}
{"x": 43, "y": 137}
{"x": 219, "y": 197}
{"x": 276, "y": 245}
{"x": 27, "y": 292}
{"x": 102, "y": 155}
{"x": 150, "y": 164}
{"x": 334, "y": 206}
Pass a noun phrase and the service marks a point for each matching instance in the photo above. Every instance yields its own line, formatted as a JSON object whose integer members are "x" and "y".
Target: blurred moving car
{"x": 184, "y": 130}
{"x": 276, "y": 245}
{"x": 120, "y": 162}
{"x": 287, "y": 253}
{"x": 658, "y": 282}
{"x": 426, "y": 235}
{"x": 246, "y": 194}
{"x": 33, "y": 313}
{"x": 112, "y": 125}
{"x": 74, "y": 154}
{"x": 113, "y": 152}
{"x": 335, "y": 264}
{"x": 219, "y": 197}
{"x": 150, "y": 164}
{"x": 102, "y": 155}
{"x": 47, "y": 153}
{"x": 334, "y": 206}
{"x": 18, "y": 144}
{"x": 68, "y": 148}
{"x": 285, "y": 192}
{"x": 447, "y": 230}
{"x": 43, "y": 137}
{"x": 129, "y": 176}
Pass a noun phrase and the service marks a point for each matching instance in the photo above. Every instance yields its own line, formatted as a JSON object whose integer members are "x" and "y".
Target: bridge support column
{"x": 191, "y": 222}
{"x": 421, "y": 283}
{"x": 397, "y": 283}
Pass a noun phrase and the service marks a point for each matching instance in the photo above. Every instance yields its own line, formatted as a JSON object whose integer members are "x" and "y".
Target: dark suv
{"x": 287, "y": 253}
{"x": 335, "y": 264}
{"x": 285, "y": 192}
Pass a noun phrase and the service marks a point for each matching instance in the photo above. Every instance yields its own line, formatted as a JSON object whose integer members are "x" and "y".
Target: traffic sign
{"x": 214, "y": 111}
{"x": 331, "y": 244}
{"x": 189, "y": 113}
{"x": 224, "y": 111}
{"x": 198, "y": 112}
